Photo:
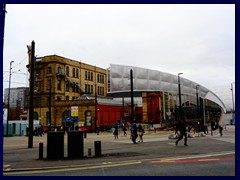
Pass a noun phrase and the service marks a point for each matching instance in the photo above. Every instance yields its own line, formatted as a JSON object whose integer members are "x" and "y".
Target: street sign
{"x": 74, "y": 111}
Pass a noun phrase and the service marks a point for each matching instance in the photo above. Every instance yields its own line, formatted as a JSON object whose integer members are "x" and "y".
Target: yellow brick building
{"x": 62, "y": 81}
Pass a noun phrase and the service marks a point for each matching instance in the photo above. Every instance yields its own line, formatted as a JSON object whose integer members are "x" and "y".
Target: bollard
{"x": 98, "y": 151}
{"x": 89, "y": 152}
{"x": 40, "y": 150}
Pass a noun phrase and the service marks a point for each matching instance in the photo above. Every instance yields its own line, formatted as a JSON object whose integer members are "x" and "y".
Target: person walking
{"x": 115, "y": 133}
{"x": 183, "y": 132}
{"x": 124, "y": 129}
{"x": 134, "y": 134}
{"x": 220, "y": 130}
{"x": 140, "y": 133}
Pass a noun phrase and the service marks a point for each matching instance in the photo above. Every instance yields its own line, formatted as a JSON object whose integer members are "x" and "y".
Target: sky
{"x": 197, "y": 40}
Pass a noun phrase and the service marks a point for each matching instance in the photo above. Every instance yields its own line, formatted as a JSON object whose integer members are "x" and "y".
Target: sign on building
{"x": 74, "y": 111}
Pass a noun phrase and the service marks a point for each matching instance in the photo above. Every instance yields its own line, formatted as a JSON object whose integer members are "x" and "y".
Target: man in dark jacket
{"x": 183, "y": 132}
{"x": 134, "y": 134}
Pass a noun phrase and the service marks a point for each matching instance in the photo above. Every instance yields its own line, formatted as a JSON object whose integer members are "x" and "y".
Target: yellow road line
{"x": 72, "y": 168}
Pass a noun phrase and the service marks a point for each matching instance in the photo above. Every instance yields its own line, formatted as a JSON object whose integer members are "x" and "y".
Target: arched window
{"x": 66, "y": 115}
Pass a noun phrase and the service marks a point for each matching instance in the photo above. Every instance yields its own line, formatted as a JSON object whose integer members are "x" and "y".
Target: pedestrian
{"x": 140, "y": 133}
{"x": 115, "y": 133}
{"x": 183, "y": 132}
{"x": 124, "y": 130}
{"x": 220, "y": 130}
{"x": 98, "y": 130}
{"x": 134, "y": 134}
{"x": 177, "y": 129}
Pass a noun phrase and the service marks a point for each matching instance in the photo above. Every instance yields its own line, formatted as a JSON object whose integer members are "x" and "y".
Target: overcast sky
{"x": 197, "y": 40}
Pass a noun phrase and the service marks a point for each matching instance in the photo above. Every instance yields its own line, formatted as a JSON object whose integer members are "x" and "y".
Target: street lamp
{"x": 179, "y": 93}
{"x": 232, "y": 99}
{"x": 8, "y": 112}
{"x": 197, "y": 107}
{"x": 132, "y": 103}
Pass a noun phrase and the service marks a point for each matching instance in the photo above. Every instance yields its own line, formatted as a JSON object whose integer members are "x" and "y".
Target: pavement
{"x": 18, "y": 157}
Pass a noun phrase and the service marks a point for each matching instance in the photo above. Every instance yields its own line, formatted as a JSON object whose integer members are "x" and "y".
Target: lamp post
{"x": 232, "y": 99}
{"x": 8, "y": 112}
{"x": 132, "y": 103}
{"x": 179, "y": 93}
{"x": 197, "y": 108}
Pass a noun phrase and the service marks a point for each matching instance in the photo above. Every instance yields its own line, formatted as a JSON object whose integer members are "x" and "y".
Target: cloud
{"x": 198, "y": 40}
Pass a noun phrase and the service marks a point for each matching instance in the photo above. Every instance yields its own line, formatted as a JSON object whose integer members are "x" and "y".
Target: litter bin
{"x": 97, "y": 147}
{"x": 55, "y": 145}
{"x": 75, "y": 144}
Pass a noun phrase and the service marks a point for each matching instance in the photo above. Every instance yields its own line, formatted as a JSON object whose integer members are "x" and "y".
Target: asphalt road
{"x": 213, "y": 155}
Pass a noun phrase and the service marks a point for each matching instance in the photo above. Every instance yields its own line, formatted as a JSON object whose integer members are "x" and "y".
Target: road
{"x": 157, "y": 156}
{"x": 218, "y": 164}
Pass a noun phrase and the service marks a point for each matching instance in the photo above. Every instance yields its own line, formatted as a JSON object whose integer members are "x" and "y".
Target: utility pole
{"x": 3, "y": 13}
{"x": 9, "y": 90}
{"x": 132, "y": 103}
{"x": 31, "y": 99}
{"x": 50, "y": 106}
{"x": 233, "y": 111}
{"x": 180, "y": 101}
{"x": 199, "y": 126}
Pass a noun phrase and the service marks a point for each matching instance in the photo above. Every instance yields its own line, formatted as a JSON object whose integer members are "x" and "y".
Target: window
{"x": 86, "y": 75}
{"x": 37, "y": 72}
{"x": 88, "y": 88}
{"x": 59, "y": 71}
{"x": 49, "y": 84}
{"x": 67, "y": 98}
{"x": 91, "y": 76}
{"x": 91, "y": 89}
{"x": 73, "y": 72}
{"x": 77, "y": 88}
{"x": 100, "y": 91}
{"x": 67, "y": 86}
{"x": 49, "y": 70}
{"x": 59, "y": 98}
{"x": 59, "y": 84}
{"x": 67, "y": 71}
{"x": 73, "y": 87}
{"x": 100, "y": 78}
{"x": 77, "y": 73}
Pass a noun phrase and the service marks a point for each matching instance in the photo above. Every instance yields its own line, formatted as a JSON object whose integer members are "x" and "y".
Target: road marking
{"x": 109, "y": 164}
{"x": 195, "y": 160}
{"x": 199, "y": 156}
{"x": 207, "y": 160}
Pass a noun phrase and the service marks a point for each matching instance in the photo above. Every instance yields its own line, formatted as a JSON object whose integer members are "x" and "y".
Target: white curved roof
{"x": 152, "y": 80}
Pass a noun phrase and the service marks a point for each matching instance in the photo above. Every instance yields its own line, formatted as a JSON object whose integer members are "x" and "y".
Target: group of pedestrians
{"x": 136, "y": 132}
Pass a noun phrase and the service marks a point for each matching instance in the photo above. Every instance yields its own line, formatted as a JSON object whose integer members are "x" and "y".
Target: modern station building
{"x": 156, "y": 95}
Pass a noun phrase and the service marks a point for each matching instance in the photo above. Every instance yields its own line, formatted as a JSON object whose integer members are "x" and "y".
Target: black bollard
{"x": 40, "y": 150}
{"x": 97, "y": 146}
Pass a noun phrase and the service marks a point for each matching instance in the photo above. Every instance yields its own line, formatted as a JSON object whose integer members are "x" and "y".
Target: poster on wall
{"x": 74, "y": 111}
